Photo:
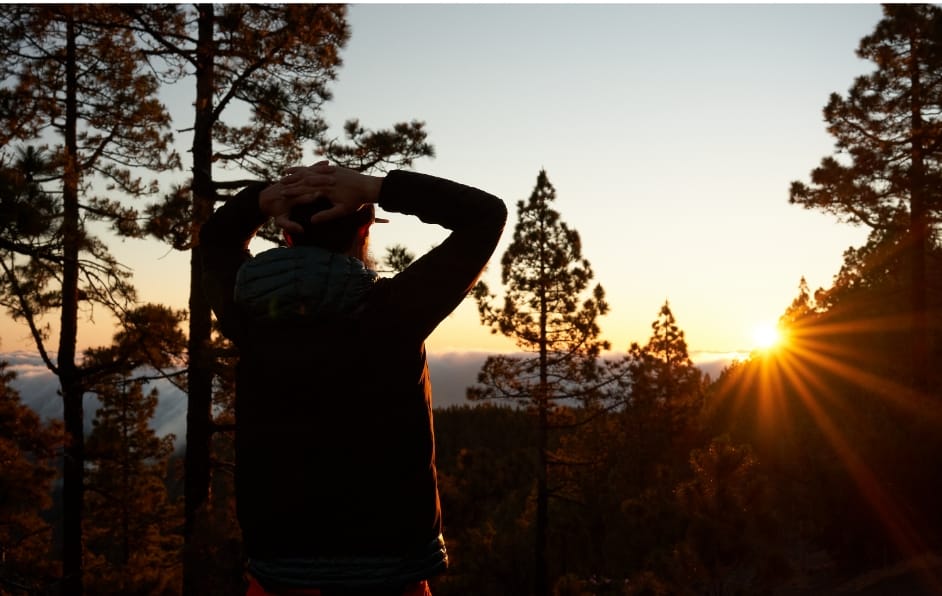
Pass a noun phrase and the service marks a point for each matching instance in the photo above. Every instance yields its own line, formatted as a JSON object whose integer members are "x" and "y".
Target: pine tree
{"x": 397, "y": 258}
{"x": 732, "y": 542}
{"x": 801, "y": 306}
{"x": 852, "y": 343}
{"x": 636, "y": 451}
{"x": 74, "y": 76}
{"x": 663, "y": 393}
{"x": 132, "y": 540}
{"x": 545, "y": 277}
{"x": 28, "y": 449}
{"x": 888, "y": 132}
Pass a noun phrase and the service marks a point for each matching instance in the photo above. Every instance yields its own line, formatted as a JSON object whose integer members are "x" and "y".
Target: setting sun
{"x": 765, "y": 336}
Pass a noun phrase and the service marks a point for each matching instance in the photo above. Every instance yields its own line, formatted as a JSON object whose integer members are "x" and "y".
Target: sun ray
{"x": 905, "y": 535}
{"x": 898, "y": 394}
{"x": 807, "y": 365}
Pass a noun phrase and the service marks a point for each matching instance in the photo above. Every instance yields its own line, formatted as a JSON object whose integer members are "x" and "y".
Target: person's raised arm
{"x": 433, "y": 286}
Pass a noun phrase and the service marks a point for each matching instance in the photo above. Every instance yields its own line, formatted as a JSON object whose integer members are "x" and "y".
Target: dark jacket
{"x": 335, "y": 452}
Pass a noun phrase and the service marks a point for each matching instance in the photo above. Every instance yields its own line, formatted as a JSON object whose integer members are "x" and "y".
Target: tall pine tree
{"x": 888, "y": 132}
{"x": 551, "y": 312}
{"x": 74, "y": 77}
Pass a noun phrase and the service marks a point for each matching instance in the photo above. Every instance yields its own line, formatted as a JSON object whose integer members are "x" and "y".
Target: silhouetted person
{"x": 335, "y": 459}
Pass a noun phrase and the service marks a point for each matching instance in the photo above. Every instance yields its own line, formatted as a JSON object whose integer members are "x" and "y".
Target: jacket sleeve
{"x": 224, "y": 247}
{"x": 429, "y": 289}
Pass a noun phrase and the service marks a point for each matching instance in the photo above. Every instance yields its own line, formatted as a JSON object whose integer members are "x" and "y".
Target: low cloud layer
{"x": 452, "y": 373}
{"x": 39, "y": 389}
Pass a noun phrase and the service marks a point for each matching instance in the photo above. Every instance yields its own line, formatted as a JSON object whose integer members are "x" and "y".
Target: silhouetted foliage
{"x": 485, "y": 460}
{"x": 888, "y": 132}
{"x": 733, "y": 542}
{"x": 545, "y": 277}
{"x": 663, "y": 394}
{"x": 831, "y": 415}
{"x": 397, "y": 258}
{"x": 850, "y": 409}
{"x": 74, "y": 76}
{"x": 132, "y": 540}
{"x": 28, "y": 449}
{"x": 632, "y": 456}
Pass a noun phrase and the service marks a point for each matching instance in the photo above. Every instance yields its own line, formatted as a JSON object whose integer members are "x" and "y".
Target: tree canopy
{"x": 888, "y": 136}
{"x": 546, "y": 277}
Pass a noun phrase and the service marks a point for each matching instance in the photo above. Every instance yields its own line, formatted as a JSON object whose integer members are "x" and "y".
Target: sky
{"x": 671, "y": 134}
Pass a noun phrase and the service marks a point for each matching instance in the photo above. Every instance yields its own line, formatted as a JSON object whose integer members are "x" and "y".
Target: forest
{"x": 810, "y": 467}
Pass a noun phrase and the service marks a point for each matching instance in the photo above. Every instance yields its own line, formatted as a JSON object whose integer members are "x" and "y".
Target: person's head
{"x": 347, "y": 235}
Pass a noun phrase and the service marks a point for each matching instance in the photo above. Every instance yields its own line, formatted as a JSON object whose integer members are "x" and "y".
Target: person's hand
{"x": 350, "y": 191}
{"x": 300, "y": 186}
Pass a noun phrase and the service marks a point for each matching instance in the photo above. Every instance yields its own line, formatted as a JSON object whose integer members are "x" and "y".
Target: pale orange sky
{"x": 671, "y": 134}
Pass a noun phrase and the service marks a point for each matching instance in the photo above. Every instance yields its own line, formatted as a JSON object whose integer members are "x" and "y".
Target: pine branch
{"x": 172, "y": 49}
{"x": 584, "y": 421}
{"x": 99, "y": 150}
{"x": 27, "y": 250}
{"x": 243, "y": 77}
{"x": 30, "y": 318}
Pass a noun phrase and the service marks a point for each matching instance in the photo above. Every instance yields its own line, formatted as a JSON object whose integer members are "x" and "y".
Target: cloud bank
{"x": 451, "y": 372}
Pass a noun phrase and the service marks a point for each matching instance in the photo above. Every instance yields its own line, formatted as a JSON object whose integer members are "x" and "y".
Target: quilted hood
{"x": 301, "y": 281}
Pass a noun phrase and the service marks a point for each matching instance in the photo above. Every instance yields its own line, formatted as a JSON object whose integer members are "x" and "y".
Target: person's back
{"x": 336, "y": 481}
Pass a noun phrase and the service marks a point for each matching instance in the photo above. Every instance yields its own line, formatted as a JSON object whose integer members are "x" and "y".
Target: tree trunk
{"x": 541, "y": 578}
{"x": 125, "y": 487}
{"x": 199, "y": 372}
{"x": 69, "y": 374}
{"x": 919, "y": 232}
